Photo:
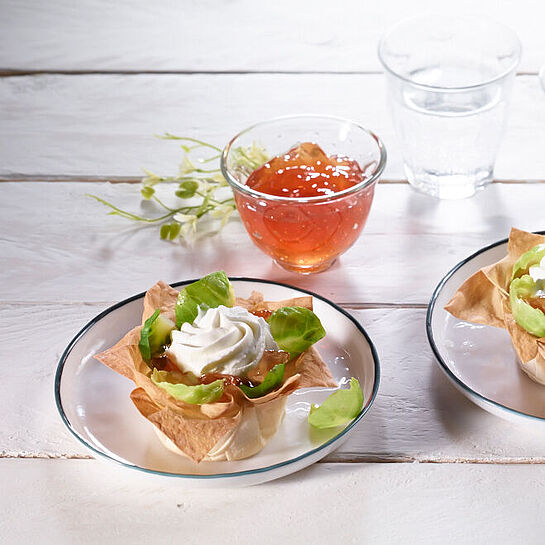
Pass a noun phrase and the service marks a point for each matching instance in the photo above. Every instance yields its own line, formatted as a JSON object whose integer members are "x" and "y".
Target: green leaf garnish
{"x": 187, "y": 189}
{"x": 295, "y": 329}
{"x": 198, "y": 143}
{"x": 147, "y": 192}
{"x": 154, "y": 335}
{"x": 272, "y": 380}
{"x": 211, "y": 291}
{"x": 170, "y": 230}
{"x": 165, "y": 230}
{"x": 191, "y": 182}
{"x": 339, "y": 408}
{"x": 174, "y": 230}
{"x": 195, "y": 395}
{"x": 115, "y": 211}
{"x": 529, "y": 318}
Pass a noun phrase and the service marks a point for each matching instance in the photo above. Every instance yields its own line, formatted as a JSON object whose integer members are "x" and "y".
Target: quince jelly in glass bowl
{"x": 304, "y": 186}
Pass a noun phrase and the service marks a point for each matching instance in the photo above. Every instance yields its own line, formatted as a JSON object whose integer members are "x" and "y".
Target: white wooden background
{"x": 83, "y": 87}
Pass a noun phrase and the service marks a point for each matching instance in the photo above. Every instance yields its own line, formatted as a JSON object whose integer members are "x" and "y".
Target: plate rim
{"x": 247, "y": 472}
{"x": 460, "y": 384}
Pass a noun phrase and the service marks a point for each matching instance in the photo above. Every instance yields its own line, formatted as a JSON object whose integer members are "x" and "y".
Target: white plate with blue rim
{"x": 479, "y": 360}
{"x": 94, "y": 402}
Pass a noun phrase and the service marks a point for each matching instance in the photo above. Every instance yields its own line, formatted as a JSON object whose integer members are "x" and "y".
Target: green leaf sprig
{"x": 194, "y": 181}
{"x": 272, "y": 380}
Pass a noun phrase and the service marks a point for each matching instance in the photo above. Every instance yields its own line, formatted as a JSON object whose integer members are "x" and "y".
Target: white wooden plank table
{"x": 83, "y": 87}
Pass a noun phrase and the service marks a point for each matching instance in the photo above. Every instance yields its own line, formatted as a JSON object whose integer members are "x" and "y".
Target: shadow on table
{"x": 483, "y": 213}
{"x": 475, "y": 433}
{"x": 320, "y": 471}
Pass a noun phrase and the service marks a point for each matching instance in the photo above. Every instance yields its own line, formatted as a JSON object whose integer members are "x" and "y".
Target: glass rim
{"x": 452, "y": 89}
{"x": 243, "y": 188}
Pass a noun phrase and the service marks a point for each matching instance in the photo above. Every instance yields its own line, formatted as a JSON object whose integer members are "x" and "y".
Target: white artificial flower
{"x": 218, "y": 178}
{"x": 150, "y": 179}
{"x": 186, "y": 166}
{"x": 204, "y": 187}
{"x": 222, "y": 212}
{"x": 187, "y": 220}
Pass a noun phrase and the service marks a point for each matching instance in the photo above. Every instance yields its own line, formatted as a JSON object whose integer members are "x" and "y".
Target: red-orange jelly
{"x": 265, "y": 314}
{"x": 305, "y": 171}
{"x": 537, "y": 302}
{"x": 305, "y": 236}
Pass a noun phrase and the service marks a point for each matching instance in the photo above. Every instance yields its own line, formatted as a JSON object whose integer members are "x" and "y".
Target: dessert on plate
{"x": 213, "y": 371}
{"x": 511, "y": 294}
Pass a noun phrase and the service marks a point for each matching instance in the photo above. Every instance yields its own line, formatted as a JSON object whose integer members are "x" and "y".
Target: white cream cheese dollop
{"x": 227, "y": 340}
{"x": 537, "y": 272}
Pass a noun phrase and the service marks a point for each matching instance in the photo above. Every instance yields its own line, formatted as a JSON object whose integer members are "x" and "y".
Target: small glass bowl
{"x": 306, "y": 234}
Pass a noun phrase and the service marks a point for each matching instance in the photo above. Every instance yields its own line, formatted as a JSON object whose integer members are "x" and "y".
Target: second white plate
{"x": 480, "y": 360}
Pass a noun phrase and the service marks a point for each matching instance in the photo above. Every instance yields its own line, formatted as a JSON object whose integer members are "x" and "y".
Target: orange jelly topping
{"x": 537, "y": 302}
{"x": 265, "y": 314}
{"x": 306, "y": 171}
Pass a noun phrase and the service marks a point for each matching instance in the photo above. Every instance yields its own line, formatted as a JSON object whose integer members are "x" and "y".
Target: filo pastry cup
{"x": 484, "y": 299}
{"x": 235, "y": 426}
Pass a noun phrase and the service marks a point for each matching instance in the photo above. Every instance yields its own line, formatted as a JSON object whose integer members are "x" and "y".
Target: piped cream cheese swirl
{"x": 227, "y": 340}
{"x": 537, "y": 272}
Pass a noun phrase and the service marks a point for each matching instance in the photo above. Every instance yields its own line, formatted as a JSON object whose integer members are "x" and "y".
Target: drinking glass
{"x": 449, "y": 81}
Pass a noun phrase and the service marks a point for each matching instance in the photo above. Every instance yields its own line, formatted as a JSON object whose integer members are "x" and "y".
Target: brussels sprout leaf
{"x": 272, "y": 380}
{"x": 339, "y": 408}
